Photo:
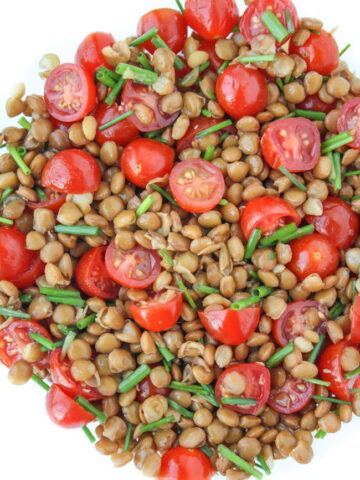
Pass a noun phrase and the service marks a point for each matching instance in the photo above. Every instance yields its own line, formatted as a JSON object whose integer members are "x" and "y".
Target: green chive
{"x": 214, "y": 129}
{"x": 6, "y": 221}
{"x": 335, "y": 175}
{"x": 181, "y": 8}
{"x": 45, "y": 342}
{"x": 145, "y": 205}
{"x": 40, "y": 382}
{"x": 211, "y": 95}
{"x": 300, "y": 232}
{"x": 206, "y": 289}
{"x": 88, "y": 433}
{"x": 134, "y": 378}
{"x": 289, "y": 21}
{"x": 262, "y": 291}
{"x": 206, "y": 450}
{"x": 70, "y": 337}
{"x": 345, "y": 49}
{"x": 206, "y": 113}
{"x": 319, "y": 398}
{"x": 315, "y": 32}
{"x": 223, "y": 202}
{"x": 224, "y": 66}
{"x": 22, "y": 151}
{"x": 282, "y": 232}
{"x": 316, "y": 381}
{"x": 315, "y": 352}
{"x": 275, "y": 27}
{"x": 292, "y": 178}
{"x": 357, "y": 197}
{"x": 3, "y": 145}
{"x": 59, "y": 292}
{"x": 139, "y": 75}
{"x": 337, "y": 310}
{"x": 279, "y": 356}
{"x": 56, "y": 345}
{"x": 110, "y": 73}
{"x": 166, "y": 257}
{"x": 91, "y": 408}
{"x": 145, "y": 37}
{"x": 257, "y": 58}
{"x": 154, "y": 425}
{"x": 6, "y": 193}
{"x": 85, "y": 322}
{"x": 7, "y": 312}
{"x": 40, "y": 193}
{"x": 252, "y": 242}
{"x": 209, "y": 153}
{"x": 190, "y": 78}
{"x": 310, "y": 114}
{"x": 105, "y": 78}
{"x": 204, "y": 66}
{"x": 320, "y": 434}
{"x": 19, "y": 161}
{"x": 280, "y": 84}
{"x": 289, "y": 78}
{"x": 253, "y": 274}
{"x": 158, "y": 42}
{"x": 111, "y": 98}
{"x": 154, "y": 133}
{"x": 336, "y": 142}
{"x": 77, "y": 230}
{"x": 354, "y": 391}
{"x": 65, "y": 329}
{"x": 24, "y": 122}
{"x": 166, "y": 354}
{"x": 76, "y": 302}
{"x": 116, "y": 120}
{"x": 128, "y": 437}
{"x": 353, "y": 373}
{"x": 165, "y": 194}
{"x": 263, "y": 464}
{"x": 144, "y": 61}
{"x": 183, "y": 411}
{"x": 239, "y": 462}
{"x": 196, "y": 389}
{"x": 187, "y": 295}
{"x": 238, "y": 401}
{"x": 223, "y": 137}
{"x": 26, "y": 298}
{"x": 353, "y": 172}
{"x": 161, "y": 140}
{"x": 245, "y": 303}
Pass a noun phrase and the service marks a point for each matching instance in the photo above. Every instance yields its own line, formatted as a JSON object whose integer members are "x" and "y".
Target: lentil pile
{"x": 179, "y": 242}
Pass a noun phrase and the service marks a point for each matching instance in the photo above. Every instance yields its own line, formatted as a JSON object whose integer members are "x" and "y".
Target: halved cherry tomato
{"x": 35, "y": 270}
{"x": 92, "y": 277}
{"x": 211, "y": 20}
{"x": 208, "y": 46}
{"x": 320, "y": 52}
{"x": 146, "y": 389}
{"x": 251, "y": 25}
{"x": 313, "y": 102}
{"x": 121, "y": 133}
{"x": 54, "y": 200}
{"x": 293, "y": 143}
{"x": 230, "y": 327}
{"x": 136, "y": 94}
{"x": 338, "y": 221}
{"x": 292, "y": 397}
{"x": 314, "y": 253}
{"x": 268, "y": 213}
{"x": 136, "y": 268}
{"x": 15, "y": 258}
{"x": 331, "y": 371}
{"x": 15, "y": 337}
{"x": 257, "y": 386}
{"x": 180, "y": 463}
{"x": 171, "y": 27}
{"x": 70, "y": 93}
{"x": 294, "y": 321}
{"x": 89, "y": 53}
{"x": 197, "y": 185}
{"x": 242, "y": 91}
{"x": 355, "y": 320}
{"x": 61, "y": 375}
{"x": 145, "y": 159}
{"x": 64, "y": 411}
{"x": 157, "y": 314}
{"x": 72, "y": 171}
{"x": 349, "y": 120}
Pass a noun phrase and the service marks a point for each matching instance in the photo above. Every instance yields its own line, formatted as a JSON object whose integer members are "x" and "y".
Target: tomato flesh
{"x": 183, "y": 464}
{"x": 121, "y": 133}
{"x": 15, "y": 258}
{"x": 156, "y": 316}
{"x": 349, "y": 121}
{"x": 146, "y": 389}
{"x": 89, "y": 53}
{"x": 313, "y": 102}
{"x": 355, "y": 320}
{"x": 53, "y": 202}
{"x": 35, "y": 270}
{"x": 292, "y": 397}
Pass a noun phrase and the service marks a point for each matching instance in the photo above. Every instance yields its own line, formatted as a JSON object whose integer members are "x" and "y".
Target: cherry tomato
{"x": 293, "y": 143}
{"x": 338, "y": 222}
{"x": 349, "y": 120}
{"x": 89, "y": 53}
{"x": 241, "y": 91}
{"x": 70, "y": 93}
{"x": 197, "y": 185}
{"x": 121, "y": 133}
{"x": 171, "y": 27}
{"x": 54, "y": 200}
{"x": 146, "y": 389}
{"x": 64, "y": 411}
{"x": 313, "y": 102}
{"x": 208, "y": 46}
{"x": 157, "y": 314}
{"x": 257, "y": 386}
{"x": 136, "y": 94}
{"x": 15, "y": 337}
{"x": 294, "y": 321}
{"x": 292, "y": 397}
{"x": 355, "y": 320}
{"x": 136, "y": 268}
{"x": 230, "y": 327}
{"x": 180, "y": 463}
{"x": 211, "y": 20}
{"x": 314, "y": 253}
{"x": 145, "y": 159}
{"x": 72, "y": 171}
{"x": 250, "y": 24}
{"x": 92, "y": 277}
{"x": 320, "y": 52}
{"x": 268, "y": 213}
{"x": 61, "y": 375}
{"x": 35, "y": 270}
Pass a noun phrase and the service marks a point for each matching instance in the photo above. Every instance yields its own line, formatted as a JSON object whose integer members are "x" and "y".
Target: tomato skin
{"x": 349, "y": 120}
{"x": 241, "y": 91}
{"x": 313, "y": 254}
{"x": 144, "y": 159}
{"x": 209, "y": 47}
{"x": 257, "y": 387}
{"x": 313, "y": 102}
{"x": 355, "y": 320}
{"x": 320, "y": 52}
{"x": 89, "y": 53}
{"x": 146, "y": 389}
{"x": 338, "y": 221}
{"x": 72, "y": 171}
{"x": 121, "y": 133}
{"x": 231, "y": 327}
{"x": 155, "y": 316}
{"x": 35, "y": 270}
{"x": 92, "y": 277}
{"x": 53, "y": 202}
{"x": 180, "y": 463}
{"x": 268, "y": 213}
{"x": 15, "y": 258}
{"x": 299, "y": 395}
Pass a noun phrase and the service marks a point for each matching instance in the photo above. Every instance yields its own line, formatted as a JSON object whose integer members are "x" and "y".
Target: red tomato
{"x": 53, "y": 202}
{"x": 338, "y": 222}
{"x": 121, "y": 133}
{"x": 313, "y": 102}
{"x": 320, "y": 52}
{"x": 293, "y": 143}
{"x": 61, "y": 375}
{"x": 208, "y": 46}
{"x": 72, "y": 171}
{"x": 146, "y": 389}
{"x": 257, "y": 386}
{"x": 268, "y": 213}
{"x": 241, "y": 91}
{"x": 231, "y": 327}
{"x": 155, "y": 315}
{"x": 92, "y": 277}
{"x": 171, "y": 27}
{"x": 145, "y": 159}
{"x": 70, "y": 93}
{"x": 211, "y": 20}
{"x": 136, "y": 268}
{"x": 183, "y": 464}
{"x": 64, "y": 411}
{"x": 355, "y": 320}
{"x": 293, "y": 322}
{"x": 314, "y": 253}
{"x": 136, "y": 94}
{"x": 35, "y": 270}
{"x": 292, "y": 397}
{"x": 349, "y": 120}
{"x": 251, "y": 25}
{"x": 89, "y": 53}
{"x": 202, "y": 191}
{"x": 15, "y": 337}
{"x": 15, "y": 258}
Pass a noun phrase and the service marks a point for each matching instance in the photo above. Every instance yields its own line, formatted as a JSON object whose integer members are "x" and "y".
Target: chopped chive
{"x": 88, "y": 433}
{"x": 111, "y": 98}
{"x": 289, "y": 115}
{"x": 22, "y": 151}
{"x": 154, "y": 133}
{"x": 65, "y": 329}
{"x": 165, "y": 194}
{"x": 144, "y": 61}
{"x": 257, "y": 58}
{"x": 19, "y": 161}
{"x": 128, "y": 437}
{"x": 77, "y": 230}
{"x": 209, "y": 398}
{"x": 316, "y": 381}
{"x": 223, "y": 202}
{"x": 145, "y": 37}
{"x": 85, "y": 322}
{"x": 204, "y": 66}
{"x": 145, "y": 205}
{"x": 40, "y": 382}
{"x": 279, "y": 356}
{"x": 45, "y": 342}
{"x": 239, "y": 462}
{"x": 181, "y": 8}
{"x": 196, "y": 389}
{"x": 3, "y": 145}
{"x": 223, "y": 137}
{"x": 91, "y": 408}
{"x": 166, "y": 257}
{"x": 116, "y": 120}
{"x": 315, "y": 352}
{"x": 279, "y": 234}
{"x": 70, "y": 337}
{"x": 76, "y": 302}
{"x": 6, "y": 193}
{"x": 190, "y": 78}
{"x": 205, "y": 289}
{"x": 209, "y": 153}
{"x": 105, "y": 78}
{"x": 292, "y": 178}
{"x": 26, "y": 298}
{"x": 353, "y": 172}
{"x": 206, "y": 113}
{"x": 357, "y": 197}
{"x": 110, "y": 73}
{"x": 289, "y": 78}
{"x": 262, "y": 291}
{"x": 58, "y": 292}
{"x": 319, "y": 398}
{"x": 139, "y": 75}
{"x": 223, "y": 66}
{"x": 252, "y": 242}
{"x": 58, "y": 344}
{"x": 24, "y": 122}
{"x": 187, "y": 295}
{"x": 161, "y": 140}
{"x": 345, "y": 49}
{"x": 206, "y": 450}
{"x": 354, "y": 391}
{"x": 6, "y": 221}
{"x": 245, "y": 303}
{"x": 134, "y": 378}
{"x": 183, "y": 411}
{"x": 310, "y": 114}
{"x": 353, "y": 373}
{"x": 320, "y": 434}
{"x": 152, "y": 426}
{"x": 214, "y": 129}
{"x": 211, "y": 95}
{"x": 300, "y": 232}
{"x": 263, "y": 464}
{"x": 315, "y": 32}
{"x": 253, "y": 274}
{"x": 336, "y": 142}
{"x": 7, "y": 312}
{"x": 165, "y": 352}
{"x": 158, "y": 42}
{"x": 40, "y": 193}
{"x": 280, "y": 84}
{"x": 335, "y": 175}
{"x": 275, "y": 27}
{"x": 337, "y": 310}
{"x": 238, "y": 401}
{"x": 289, "y": 21}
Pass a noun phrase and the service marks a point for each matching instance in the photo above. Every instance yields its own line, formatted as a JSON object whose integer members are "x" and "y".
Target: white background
{"x": 30, "y": 445}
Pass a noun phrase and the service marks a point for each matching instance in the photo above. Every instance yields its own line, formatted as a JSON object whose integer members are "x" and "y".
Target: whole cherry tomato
{"x": 157, "y": 314}
{"x": 314, "y": 102}
{"x": 292, "y": 396}
{"x": 35, "y": 270}
{"x": 146, "y": 389}
{"x": 89, "y": 53}
{"x": 355, "y": 320}
{"x": 121, "y": 133}
{"x": 349, "y": 121}
{"x": 183, "y": 464}
{"x": 54, "y": 200}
